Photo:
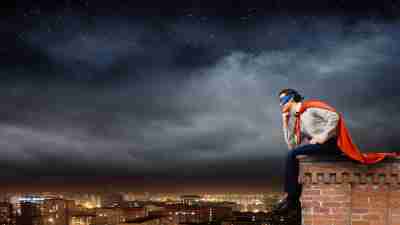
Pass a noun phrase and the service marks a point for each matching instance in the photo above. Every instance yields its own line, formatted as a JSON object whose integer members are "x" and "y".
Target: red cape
{"x": 344, "y": 140}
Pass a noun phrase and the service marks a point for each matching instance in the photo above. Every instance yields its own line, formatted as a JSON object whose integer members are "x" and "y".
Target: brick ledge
{"x": 340, "y": 170}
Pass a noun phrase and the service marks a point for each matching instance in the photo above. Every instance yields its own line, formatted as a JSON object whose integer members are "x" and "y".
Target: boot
{"x": 282, "y": 202}
{"x": 288, "y": 206}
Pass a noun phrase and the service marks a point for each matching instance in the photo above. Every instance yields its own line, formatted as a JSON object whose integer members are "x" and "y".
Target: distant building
{"x": 246, "y": 218}
{"x": 193, "y": 215}
{"x": 30, "y": 213}
{"x": 111, "y": 199}
{"x": 201, "y": 214}
{"x": 6, "y": 213}
{"x": 149, "y": 220}
{"x": 82, "y": 216}
{"x": 132, "y": 204}
{"x": 190, "y": 199}
{"x": 56, "y": 211}
{"x": 233, "y": 205}
{"x": 143, "y": 208}
{"x": 218, "y": 212}
{"x": 151, "y": 208}
{"x": 108, "y": 216}
{"x": 81, "y": 220}
{"x": 131, "y": 213}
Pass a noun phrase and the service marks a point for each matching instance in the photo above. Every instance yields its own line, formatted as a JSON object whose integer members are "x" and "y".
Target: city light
{"x": 88, "y": 205}
{"x": 31, "y": 199}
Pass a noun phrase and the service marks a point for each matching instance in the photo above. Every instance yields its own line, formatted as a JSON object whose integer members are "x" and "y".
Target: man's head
{"x": 287, "y": 97}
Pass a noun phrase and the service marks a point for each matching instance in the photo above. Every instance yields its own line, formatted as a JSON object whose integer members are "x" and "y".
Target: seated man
{"x": 318, "y": 136}
{"x": 313, "y": 127}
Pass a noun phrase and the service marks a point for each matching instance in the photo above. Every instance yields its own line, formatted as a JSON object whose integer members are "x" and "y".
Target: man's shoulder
{"x": 313, "y": 104}
{"x": 316, "y": 110}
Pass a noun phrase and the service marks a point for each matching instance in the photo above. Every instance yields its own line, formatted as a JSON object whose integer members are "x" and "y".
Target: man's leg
{"x": 291, "y": 185}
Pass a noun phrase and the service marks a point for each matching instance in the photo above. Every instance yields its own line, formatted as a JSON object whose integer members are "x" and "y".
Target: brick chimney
{"x": 337, "y": 191}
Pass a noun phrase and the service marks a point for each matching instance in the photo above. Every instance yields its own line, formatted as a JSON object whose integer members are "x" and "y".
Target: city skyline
{"x": 116, "y": 208}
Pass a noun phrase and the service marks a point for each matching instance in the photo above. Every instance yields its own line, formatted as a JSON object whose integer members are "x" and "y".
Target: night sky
{"x": 173, "y": 94}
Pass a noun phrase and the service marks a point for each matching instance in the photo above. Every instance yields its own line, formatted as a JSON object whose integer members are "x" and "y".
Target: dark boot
{"x": 281, "y": 203}
{"x": 290, "y": 205}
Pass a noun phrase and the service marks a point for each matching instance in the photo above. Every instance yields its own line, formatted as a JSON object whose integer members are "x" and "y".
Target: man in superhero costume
{"x": 312, "y": 127}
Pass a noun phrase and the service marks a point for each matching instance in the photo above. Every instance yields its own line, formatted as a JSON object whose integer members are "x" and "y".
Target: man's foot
{"x": 286, "y": 206}
{"x": 282, "y": 202}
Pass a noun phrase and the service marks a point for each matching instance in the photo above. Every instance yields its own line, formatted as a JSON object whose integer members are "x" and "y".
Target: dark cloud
{"x": 191, "y": 97}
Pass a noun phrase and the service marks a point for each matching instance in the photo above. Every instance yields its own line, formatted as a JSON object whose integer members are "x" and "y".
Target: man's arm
{"x": 286, "y": 132}
{"x": 325, "y": 123}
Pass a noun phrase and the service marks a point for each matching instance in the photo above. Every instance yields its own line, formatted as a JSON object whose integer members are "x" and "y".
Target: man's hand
{"x": 284, "y": 117}
{"x": 316, "y": 140}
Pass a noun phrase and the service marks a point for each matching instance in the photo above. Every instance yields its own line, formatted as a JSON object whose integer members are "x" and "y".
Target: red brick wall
{"x": 337, "y": 191}
{"x": 394, "y": 203}
{"x": 325, "y": 204}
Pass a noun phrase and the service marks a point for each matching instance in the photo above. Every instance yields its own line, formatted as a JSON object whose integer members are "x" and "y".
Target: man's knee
{"x": 293, "y": 153}
{"x": 302, "y": 150}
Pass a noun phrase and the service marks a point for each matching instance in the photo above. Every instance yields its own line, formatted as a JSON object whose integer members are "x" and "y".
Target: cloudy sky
{"x": 186, "y": 91}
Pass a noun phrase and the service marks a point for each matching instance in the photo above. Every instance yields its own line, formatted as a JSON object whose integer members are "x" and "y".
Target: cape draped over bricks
{"x": 344, "y": 141}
